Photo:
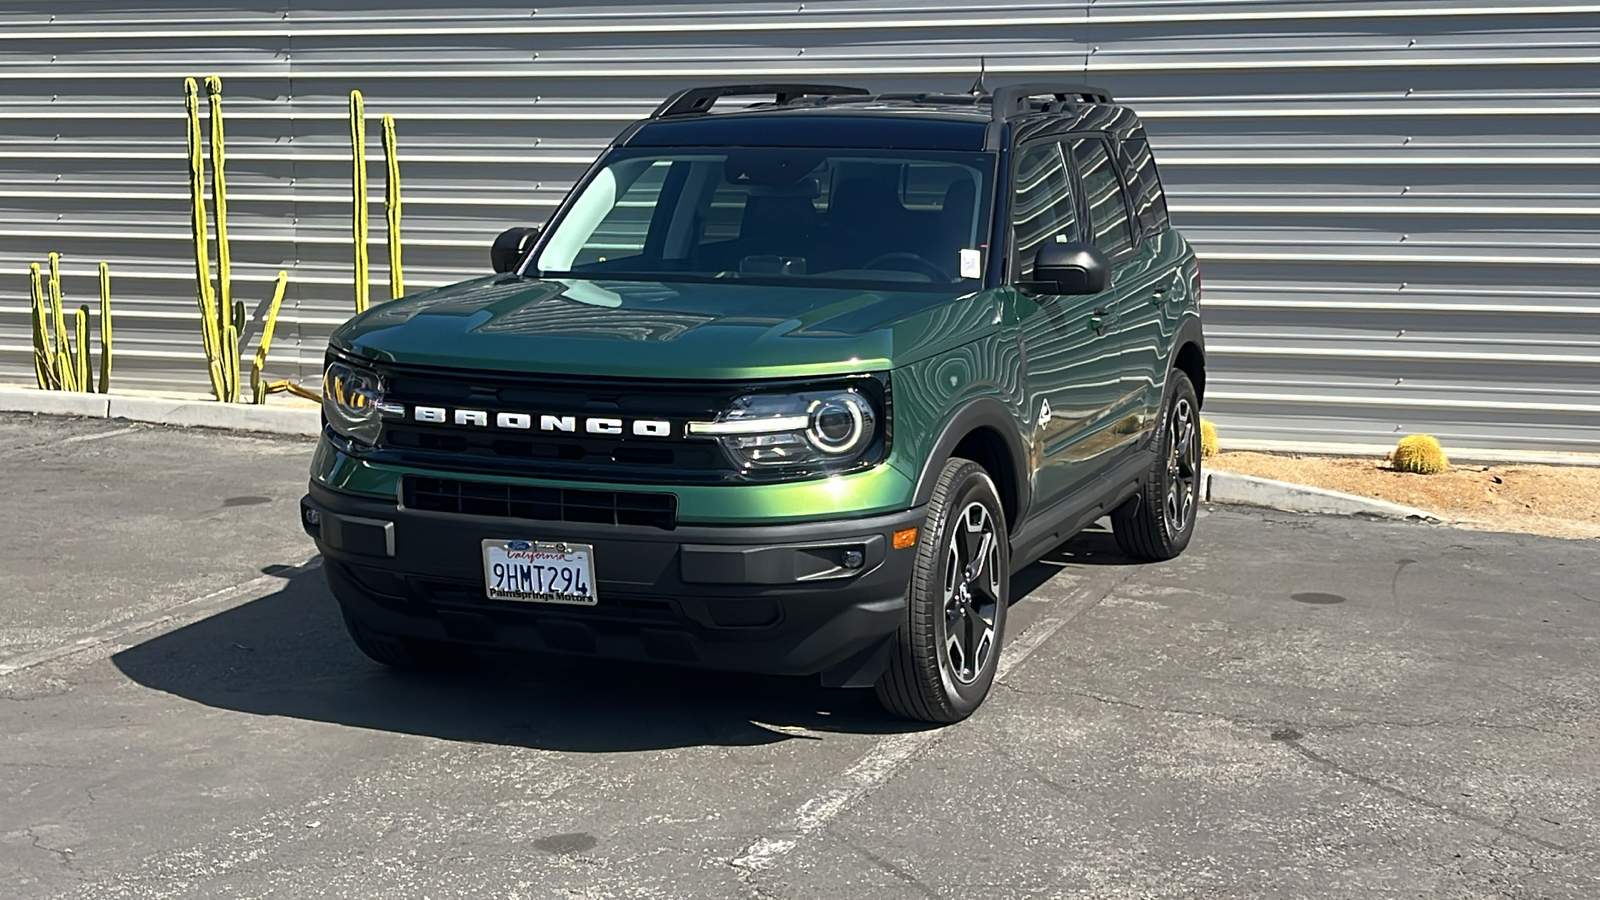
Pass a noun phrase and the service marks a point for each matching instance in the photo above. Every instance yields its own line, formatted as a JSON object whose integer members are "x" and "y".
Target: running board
{"x": 1102, "y": 494}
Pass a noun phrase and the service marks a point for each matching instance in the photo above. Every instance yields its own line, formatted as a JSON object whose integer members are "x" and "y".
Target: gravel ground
{"x": 1559, "y": 501}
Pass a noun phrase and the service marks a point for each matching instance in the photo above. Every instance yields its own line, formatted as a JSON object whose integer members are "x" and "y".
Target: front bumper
{"x": 776, "y": 599}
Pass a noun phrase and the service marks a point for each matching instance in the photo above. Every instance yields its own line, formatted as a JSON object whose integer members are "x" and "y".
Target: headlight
{"x": 350, "y": 399}
{"x": 817, "y": 430}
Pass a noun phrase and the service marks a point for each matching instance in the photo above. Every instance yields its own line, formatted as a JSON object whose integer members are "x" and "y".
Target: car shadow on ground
{"x": 287, "y": 654}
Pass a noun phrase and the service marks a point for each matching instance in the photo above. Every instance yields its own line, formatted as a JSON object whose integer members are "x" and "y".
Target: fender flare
{"x": 982, "y": 412}
{"x": 1189, "y": 332}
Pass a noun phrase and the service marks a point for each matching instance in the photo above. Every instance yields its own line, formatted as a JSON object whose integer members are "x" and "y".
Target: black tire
{"x": 409, "y": 654}
{"x": 1159, "y": 521}
{"x": 944, "y": 655}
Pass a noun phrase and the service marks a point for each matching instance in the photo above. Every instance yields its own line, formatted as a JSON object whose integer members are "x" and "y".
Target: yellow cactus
{"x": 219, "y": 194}
{"x": 258, "y": 388}
{"x": 1208, "y": 439}
{"x": 44, "y": 368}
{"x": 210, "y": 336}
{"x": 358, "y": 164}
{"x": 222, "y": 319}
{"x": 286, "y": 386}
{"x": 105, "y": 329}
{"x": 65, "y": 371}
{"x": 230, "y": 361}
{"x": 1421, "y": 454}
{"x": 80, "y": 352}
{"x": 391, "y": 207}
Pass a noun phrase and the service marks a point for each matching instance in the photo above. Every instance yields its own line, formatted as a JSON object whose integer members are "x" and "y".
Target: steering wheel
{"x": 927, "y": 268}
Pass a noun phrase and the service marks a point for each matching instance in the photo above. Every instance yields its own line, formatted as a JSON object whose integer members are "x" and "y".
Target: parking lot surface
{"x": 1298, "y": 707}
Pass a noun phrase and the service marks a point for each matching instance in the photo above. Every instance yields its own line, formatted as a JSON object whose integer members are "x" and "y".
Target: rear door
{"x": 1150, "y": 317}
{"x": 1069, "y": 343}
{"x": 1109, "y": 211}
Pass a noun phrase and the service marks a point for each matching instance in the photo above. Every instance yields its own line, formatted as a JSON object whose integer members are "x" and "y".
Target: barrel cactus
{"x": 1208, "y": 439}
{"x": 1421, "y": 454}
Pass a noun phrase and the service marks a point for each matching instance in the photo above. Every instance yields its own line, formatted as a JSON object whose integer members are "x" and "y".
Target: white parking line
{"x": 178, "y": 614}
{"x": 99, "y": 436}
{"x": 889, "y": 754}
{"x": 75, "y": 439}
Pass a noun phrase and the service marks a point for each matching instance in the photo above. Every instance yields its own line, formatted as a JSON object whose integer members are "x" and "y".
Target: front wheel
{"x": 945, "y": 653}
{"x": 1157, "y": 523}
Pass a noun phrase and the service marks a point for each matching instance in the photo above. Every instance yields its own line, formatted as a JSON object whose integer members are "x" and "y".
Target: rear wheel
{"x": 944, "y": 656}
{"x": 1158, "y": 523}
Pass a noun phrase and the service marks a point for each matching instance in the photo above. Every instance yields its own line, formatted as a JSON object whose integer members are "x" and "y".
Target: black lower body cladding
{"x": 779, "y": 599}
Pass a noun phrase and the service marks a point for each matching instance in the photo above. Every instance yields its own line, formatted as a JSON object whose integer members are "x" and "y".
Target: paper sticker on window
{"x": 971, "y": 263}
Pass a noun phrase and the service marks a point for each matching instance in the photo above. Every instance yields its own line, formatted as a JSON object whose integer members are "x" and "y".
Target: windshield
{"x": 896, "y": 220}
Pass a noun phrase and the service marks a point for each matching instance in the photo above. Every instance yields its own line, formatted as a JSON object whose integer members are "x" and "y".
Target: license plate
{"x": 539, "y": 572}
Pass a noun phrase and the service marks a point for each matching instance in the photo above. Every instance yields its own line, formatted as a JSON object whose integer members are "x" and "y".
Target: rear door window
{"x": 1104, "y": 195}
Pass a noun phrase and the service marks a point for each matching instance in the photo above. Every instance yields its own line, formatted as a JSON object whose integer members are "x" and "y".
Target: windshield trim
{"x": 954, "y": 289}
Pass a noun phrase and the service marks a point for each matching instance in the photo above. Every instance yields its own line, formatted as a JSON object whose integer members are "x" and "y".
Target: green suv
{"x": 793, "y": 387}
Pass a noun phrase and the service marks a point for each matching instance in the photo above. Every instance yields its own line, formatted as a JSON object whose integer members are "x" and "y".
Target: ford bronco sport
{"x": 793, "y": 387}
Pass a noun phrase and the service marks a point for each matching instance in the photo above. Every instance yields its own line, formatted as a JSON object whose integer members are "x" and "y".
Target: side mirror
{"x": 1075, "y": 268}
{"x": 510, "y": 247}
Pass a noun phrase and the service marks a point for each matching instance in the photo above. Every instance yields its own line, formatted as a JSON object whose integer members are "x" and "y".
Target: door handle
{"x": 1098, "y": 320}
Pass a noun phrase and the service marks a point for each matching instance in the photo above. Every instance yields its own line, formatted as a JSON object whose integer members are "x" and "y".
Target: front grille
{"x": 446, "y": 445}
{"x": 516, "y": 501}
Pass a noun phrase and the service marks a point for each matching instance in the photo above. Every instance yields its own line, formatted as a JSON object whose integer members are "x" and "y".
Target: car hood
{"x": 664, "y": 330}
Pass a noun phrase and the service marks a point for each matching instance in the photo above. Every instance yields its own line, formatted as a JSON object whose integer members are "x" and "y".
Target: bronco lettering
{"x": 517, "y": 421}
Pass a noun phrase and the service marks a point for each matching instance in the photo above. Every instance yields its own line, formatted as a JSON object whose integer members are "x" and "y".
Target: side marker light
{"x": 904, "y": 539}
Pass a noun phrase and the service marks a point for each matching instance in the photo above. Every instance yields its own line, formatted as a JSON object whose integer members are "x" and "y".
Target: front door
{"x": 1069, "y": 344}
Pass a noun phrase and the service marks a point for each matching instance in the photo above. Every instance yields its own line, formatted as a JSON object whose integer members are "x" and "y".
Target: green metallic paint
{"x": 1159, "y": 293}
{"x": 931, "y": 393}
{"x": 721, "y": 331}
{"x": 943, "y": 353}
{"x": 879, "y": 490}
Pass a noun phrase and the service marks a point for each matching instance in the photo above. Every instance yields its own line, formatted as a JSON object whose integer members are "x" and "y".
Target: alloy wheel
{"x": 1183, "y": 466}
{"x": 972, "y": 592}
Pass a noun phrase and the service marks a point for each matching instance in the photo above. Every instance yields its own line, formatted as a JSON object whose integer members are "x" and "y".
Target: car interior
{"x": 844, "y": 219}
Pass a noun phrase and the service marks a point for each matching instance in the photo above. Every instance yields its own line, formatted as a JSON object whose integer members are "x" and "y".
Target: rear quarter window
{"x": 1139, "y": 170}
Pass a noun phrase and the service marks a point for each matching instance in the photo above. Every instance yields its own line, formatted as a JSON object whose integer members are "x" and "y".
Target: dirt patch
{"x": 1560, "y": 501}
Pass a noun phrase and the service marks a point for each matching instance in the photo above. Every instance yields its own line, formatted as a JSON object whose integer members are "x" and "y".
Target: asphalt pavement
{"x": 1299, "y": 707}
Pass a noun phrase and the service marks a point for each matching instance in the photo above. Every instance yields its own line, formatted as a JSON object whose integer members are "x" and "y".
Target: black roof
{"x": 834, "y": 116}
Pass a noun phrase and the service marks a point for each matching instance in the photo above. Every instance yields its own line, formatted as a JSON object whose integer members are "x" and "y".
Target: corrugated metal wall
{"x": 1394, "y": 202}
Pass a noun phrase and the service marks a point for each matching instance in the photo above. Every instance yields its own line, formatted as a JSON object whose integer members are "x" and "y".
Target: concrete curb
{"x": 1227, "y": 487}
{"x": 187, "y": 413}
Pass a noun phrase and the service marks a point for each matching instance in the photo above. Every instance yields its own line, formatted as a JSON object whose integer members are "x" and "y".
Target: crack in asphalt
{"x": 63, "y": 856}
{"x": 1328, "y": 727}
{"x": 1465, "y": 815}
{"x": 1294, "y": 742}
{"x": 906, "y": 877}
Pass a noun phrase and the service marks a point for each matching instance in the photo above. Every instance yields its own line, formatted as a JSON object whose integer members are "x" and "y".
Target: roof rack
{"x": 699, "y": 99}
{"x": 1013, "y": 100}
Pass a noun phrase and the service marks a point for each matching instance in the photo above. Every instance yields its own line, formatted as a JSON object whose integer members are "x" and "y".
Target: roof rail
{"x": 1011, "y": 100}
{"x": 699, "y": 99}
